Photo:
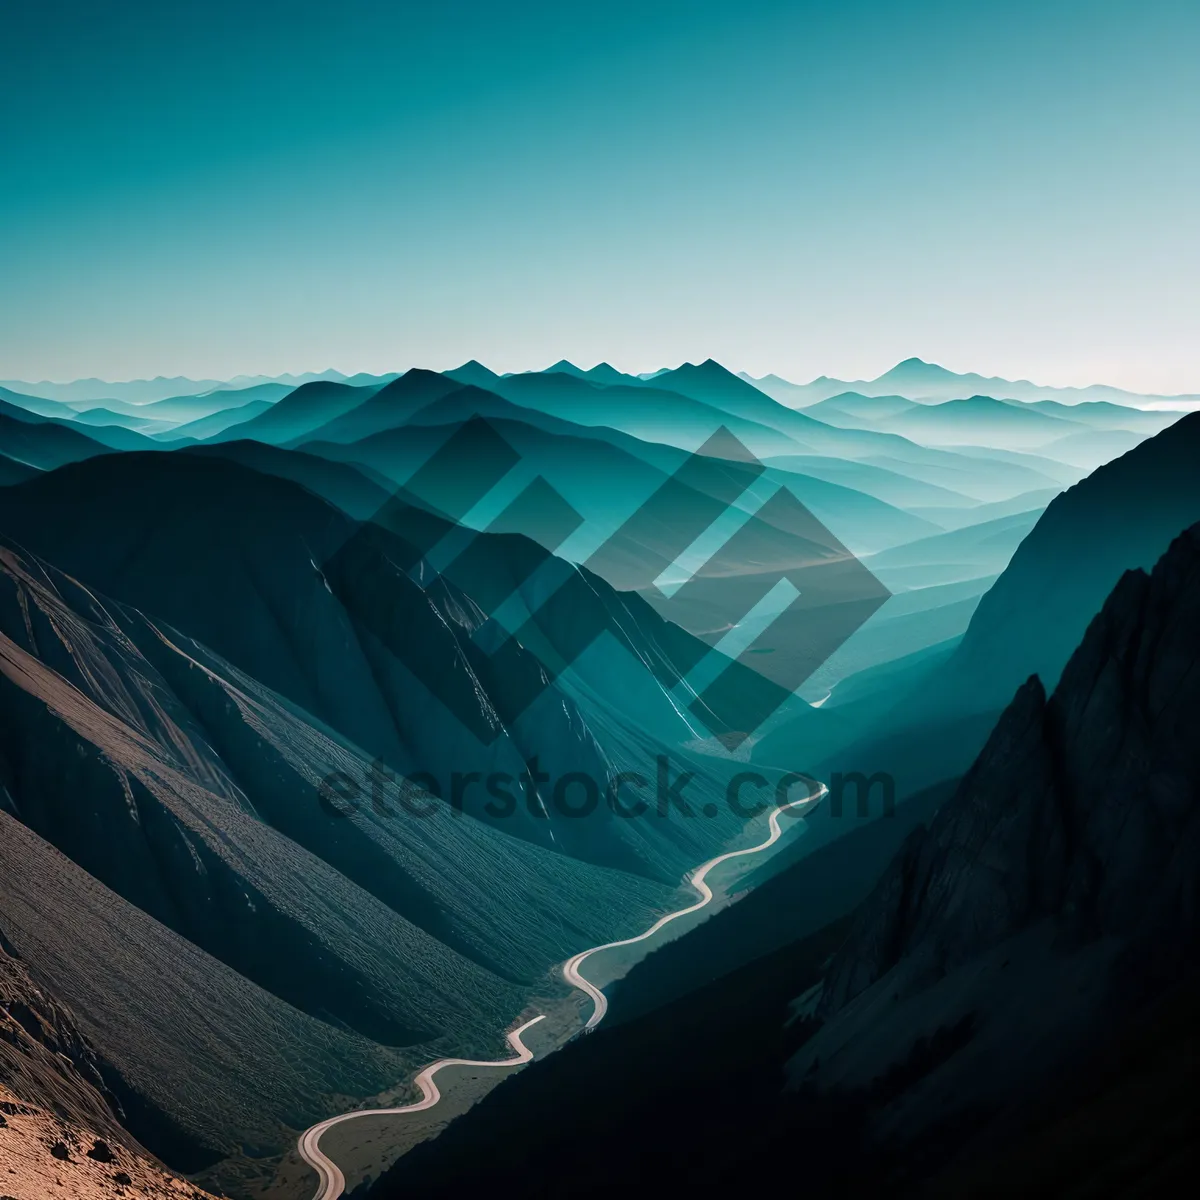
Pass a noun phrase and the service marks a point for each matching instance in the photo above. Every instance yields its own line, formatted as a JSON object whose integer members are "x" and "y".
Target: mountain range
{"x": 248, "y": 630}
{"x": 925, "y": 381}
{"x": 1023, "y": 967}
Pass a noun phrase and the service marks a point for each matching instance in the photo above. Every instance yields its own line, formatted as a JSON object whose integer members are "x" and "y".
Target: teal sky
{"x": 219, "y": 188}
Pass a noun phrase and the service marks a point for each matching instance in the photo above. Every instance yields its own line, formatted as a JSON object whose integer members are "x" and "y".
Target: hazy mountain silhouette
{"x": 116, "y": 437}
{"x": 712, "y": 383}
{"x": 1104, "y": 414}
{"x": 180, "y": 410}
{"x": 44, "y": 443}
{"x": 648, "y": 412}
{"x": 1093, "y": 447}
{"x": 603, "y": 473}
{"x": 137, "y": 391}
{"x": 216, "y": 423}
{"x": 891, "y": 487}
{"x": 920, "y": 380}
{"x": 1121, "y": 517}
{"x": 601, "y": 373}
{"x": 858, "y": 412}
{"x": 37, "y": 405}
{"x": 388, "y": 408}
{"x": 105, "y": 416}
{"x": 979, "y": 420}
{"x": 301, "y": 412}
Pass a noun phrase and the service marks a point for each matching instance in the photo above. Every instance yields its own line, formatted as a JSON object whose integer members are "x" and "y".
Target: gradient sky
{"x": 264, "y": 186}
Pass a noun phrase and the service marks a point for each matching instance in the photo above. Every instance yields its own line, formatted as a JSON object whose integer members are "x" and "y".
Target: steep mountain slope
{"x": 1029, "y": 952}
{"x": 36, "y": 405}
{"x": 833, "y": 881}
{"x": 45, "y": 444}
{"x": 1048, "y": 903}
{"x": 59, "y": 1124}
{"x": 300, "y": 412}
{"x": 388, "y": 408}
{"x": 187, "y": 802}
{"x": 358, "y": 492}
{"x": 1091, "y": 447}
{"x": 325, "y": 613}
{"x": 1122, "y": 516}
{"x": 44, "y": 1058}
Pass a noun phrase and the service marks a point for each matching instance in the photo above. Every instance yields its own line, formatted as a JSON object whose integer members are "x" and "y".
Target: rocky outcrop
{"x": 59, "y": 1122}
{"x": 45, "y": 1059}
{"x": 1049, "y": 900}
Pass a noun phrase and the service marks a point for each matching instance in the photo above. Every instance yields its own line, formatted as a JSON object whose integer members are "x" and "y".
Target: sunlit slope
{"x": 327, "y": 614}
{"x": 190, "y": 791}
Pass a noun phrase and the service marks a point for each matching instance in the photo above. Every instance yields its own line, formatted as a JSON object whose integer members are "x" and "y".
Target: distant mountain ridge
{"x": 149, "y": 391}
{"x": 920, "y": 380}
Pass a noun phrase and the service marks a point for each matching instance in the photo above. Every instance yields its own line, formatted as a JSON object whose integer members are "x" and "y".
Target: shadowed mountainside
{"x": 1031, "y": 953}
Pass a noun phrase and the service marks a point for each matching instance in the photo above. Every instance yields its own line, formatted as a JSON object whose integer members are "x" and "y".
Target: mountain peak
{"x": 709, "y": 367}
{"x": 918, "y": 367}
{"x": 473, "y": 371}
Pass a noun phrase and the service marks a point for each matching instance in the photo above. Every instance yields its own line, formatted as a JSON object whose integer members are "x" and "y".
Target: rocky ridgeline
{"x": 1051, "y": 899}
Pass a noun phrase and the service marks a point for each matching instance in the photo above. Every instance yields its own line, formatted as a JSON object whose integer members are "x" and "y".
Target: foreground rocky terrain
{"x": 60, "y": 1125}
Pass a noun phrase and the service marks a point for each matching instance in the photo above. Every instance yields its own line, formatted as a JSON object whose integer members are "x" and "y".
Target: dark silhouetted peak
{"x": 313, "y": 393}
{"x": 1124, "y": 515}
{"x": 412, "y": 379}
{"x": 709, "y": 367}
{"x": 1083, "y": 809}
